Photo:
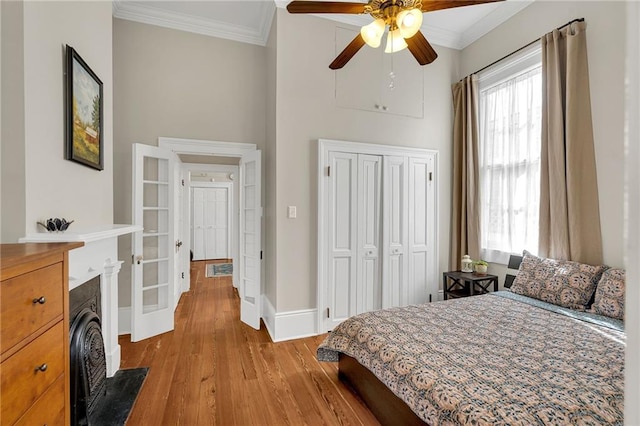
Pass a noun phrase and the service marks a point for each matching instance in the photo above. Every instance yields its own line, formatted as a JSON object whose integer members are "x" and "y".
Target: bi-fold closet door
{"x": 210, "y": 222}
{"x": 380, "y": 213}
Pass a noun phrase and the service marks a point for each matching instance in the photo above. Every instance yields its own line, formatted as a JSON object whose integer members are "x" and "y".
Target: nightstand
{"x": 462, "y": 284}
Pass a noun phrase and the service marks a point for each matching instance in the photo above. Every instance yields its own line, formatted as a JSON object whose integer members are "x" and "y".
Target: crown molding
{"x": 147, "y": 14}
{"x": 498, "y": 16}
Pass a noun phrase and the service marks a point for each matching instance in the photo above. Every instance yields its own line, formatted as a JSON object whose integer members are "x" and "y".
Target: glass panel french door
{"x": 153, "y": 254}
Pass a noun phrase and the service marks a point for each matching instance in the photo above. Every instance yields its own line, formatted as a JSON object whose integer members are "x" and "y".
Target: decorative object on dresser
{"x": 34, "y": 330}
{"x": 462, "y": 284}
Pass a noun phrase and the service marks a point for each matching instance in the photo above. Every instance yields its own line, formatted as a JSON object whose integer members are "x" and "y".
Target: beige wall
{"x": 632, "y": 228}
{"x": 53, "y": 186}
{"x": 269, "y": 165}
{"x": 606, "y": 39}
{"x": 176, "y": 84}
{"x": 306, "y": 111}
{"x": 12, "y": 191}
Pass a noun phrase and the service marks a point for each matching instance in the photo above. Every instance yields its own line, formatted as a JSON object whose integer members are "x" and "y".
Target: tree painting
{"x": 86, "y": 114}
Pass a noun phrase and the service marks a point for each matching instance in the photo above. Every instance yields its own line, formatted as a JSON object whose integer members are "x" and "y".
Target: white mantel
{"x": 98, "y": 257}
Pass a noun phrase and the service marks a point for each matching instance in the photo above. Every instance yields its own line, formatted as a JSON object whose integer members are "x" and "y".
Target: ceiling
{"x": 250, "y": 21}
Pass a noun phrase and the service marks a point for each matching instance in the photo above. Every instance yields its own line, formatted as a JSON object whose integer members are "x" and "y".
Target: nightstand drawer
{"x": 48, "y": 409}
{"x": 23, "y": 380}
{"x": 30, "y": 301}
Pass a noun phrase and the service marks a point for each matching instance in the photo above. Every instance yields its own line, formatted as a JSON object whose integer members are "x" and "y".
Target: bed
{"x": 501, "y": 358}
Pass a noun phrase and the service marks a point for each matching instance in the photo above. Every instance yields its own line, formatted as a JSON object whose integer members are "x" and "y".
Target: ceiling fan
{"x": 403, "y": 17}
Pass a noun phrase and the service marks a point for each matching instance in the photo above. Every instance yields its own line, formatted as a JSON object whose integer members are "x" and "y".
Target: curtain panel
{"x": 465, "y": 214}
{"x": 569, "y": 207}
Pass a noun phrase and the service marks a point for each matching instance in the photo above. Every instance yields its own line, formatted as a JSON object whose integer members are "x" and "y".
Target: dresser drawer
{"x": 22, "y": 383}
{"x": 19, "y": 314}
{"x": 48, "y": 409}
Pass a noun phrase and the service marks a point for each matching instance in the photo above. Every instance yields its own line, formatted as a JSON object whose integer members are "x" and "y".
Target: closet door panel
{"x": 369, "y": 192}
{"x": 418, "y": 236}
{"x": 221, "y": 224}
{"x": 198, "y": 237}
{"x": 343, "y": 210}
{"x": 394, "y": 230}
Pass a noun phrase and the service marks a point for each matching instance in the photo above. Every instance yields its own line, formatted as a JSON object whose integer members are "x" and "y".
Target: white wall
{"x": 605, "y": 43}
{"x": 41, "y": 182}
{"x": 306, "y": 111}
{"x": 176, "y": 84}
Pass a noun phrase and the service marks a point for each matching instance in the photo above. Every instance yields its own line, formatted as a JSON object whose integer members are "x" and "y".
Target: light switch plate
{"x": 291, "y": 212}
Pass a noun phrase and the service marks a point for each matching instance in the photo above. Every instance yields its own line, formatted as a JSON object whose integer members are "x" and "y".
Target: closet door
{"x": 216, "y": 223}
{"x": 342, "y": 241}
{"x": 394, "y": 232}
{"x": 198, "y": 237}
{"x": 421, "y": 223}
{"x": 369, "y": 288}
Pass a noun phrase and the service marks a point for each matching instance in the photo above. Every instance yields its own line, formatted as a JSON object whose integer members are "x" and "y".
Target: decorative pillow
{"x": 610, "y": 294}
{"x": 561, "y": 282}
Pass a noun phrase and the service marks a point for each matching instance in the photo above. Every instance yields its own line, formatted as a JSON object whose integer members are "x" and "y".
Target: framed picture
{"x": 83, "y": 106}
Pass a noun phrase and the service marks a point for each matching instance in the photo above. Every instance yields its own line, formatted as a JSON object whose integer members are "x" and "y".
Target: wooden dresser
{"x": 34, "y": 334}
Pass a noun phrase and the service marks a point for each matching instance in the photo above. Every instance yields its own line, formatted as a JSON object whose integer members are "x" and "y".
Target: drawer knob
{"x": 42, "y": 368}
{"x": 41, "y": 300}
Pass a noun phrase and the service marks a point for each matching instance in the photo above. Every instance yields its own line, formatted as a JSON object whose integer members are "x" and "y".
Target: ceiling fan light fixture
{"x": 409, "y": 22}
{"x": 395, "y": 42}
{"x": 372, "y": 33}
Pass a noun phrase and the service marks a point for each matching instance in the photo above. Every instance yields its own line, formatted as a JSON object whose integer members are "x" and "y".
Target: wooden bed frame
{"x": 384, "y": 404}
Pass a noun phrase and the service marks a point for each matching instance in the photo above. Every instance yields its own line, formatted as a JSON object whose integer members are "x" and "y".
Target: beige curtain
{"x": 569, "y": 209}
{"x": 465, "y": 215}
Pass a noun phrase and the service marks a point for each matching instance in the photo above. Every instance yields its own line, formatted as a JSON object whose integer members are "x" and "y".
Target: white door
{"x": 153, "y": 249}
{"x": 353, "y": 270}
{"x": 395, "y": 208}
{"x": 198, "y": 227}
{"x": 250, "y": 244}
{"x": 421, "y": 223}
{"x": 369, "y": 288}
{"x": 217, "y": 223}
{"x": 342, "y": 220}
{"x": 179, "y": 251}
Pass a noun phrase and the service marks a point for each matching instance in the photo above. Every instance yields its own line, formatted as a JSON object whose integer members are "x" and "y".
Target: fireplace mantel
{"x": 98, "y": 257}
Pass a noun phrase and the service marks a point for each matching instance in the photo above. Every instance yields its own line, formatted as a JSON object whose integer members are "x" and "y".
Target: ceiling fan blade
{"x": 421, "y": 49}
{"x": 303, "y": 6}
{"x": 431, "y": 5}
{"x": 348, "y": 52}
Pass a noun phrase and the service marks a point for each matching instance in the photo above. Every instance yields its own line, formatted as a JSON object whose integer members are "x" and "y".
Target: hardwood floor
{"x": 213, "y": 369}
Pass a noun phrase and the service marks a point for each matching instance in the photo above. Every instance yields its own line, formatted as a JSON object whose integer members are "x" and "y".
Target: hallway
{"x": 213, "y": 369}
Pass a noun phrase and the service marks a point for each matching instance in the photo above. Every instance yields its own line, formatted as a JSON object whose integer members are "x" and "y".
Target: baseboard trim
{"x": 269, "y": 316}
{"x": 289, "y": 325}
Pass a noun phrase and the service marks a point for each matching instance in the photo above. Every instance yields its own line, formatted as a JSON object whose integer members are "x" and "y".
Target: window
{"x": 510, "y": 106}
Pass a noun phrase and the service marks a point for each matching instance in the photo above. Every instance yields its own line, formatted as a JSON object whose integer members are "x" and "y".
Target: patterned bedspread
{"x": 490, "y": 360}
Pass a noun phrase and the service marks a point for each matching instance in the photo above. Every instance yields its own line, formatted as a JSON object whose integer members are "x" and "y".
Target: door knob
{"x": 178, "y": 243}
{"x": 139, "y": 259}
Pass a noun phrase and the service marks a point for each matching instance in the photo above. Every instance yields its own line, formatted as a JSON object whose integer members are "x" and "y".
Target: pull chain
{"x": 392, "y": 75}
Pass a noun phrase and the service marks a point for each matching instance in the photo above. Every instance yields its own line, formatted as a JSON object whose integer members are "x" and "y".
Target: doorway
{"x": 201, "y": 177}
{"x": 249, "y": 196}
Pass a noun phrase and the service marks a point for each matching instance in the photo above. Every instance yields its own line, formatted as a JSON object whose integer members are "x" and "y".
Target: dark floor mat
{"x": 122, "y": 390}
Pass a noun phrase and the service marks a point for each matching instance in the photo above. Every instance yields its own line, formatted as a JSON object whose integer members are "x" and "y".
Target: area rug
{"x": 122, "y": 391}
{"x": 219, "y": 270}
